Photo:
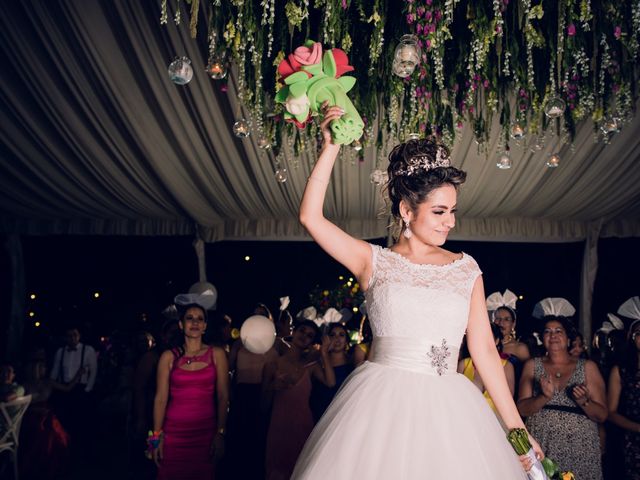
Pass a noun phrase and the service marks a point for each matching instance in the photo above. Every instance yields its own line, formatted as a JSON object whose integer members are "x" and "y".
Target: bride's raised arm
{"x": 351, "y": 252}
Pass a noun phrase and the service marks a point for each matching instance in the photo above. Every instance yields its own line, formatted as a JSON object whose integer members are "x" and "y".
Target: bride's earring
{"x": 407, "y": 230}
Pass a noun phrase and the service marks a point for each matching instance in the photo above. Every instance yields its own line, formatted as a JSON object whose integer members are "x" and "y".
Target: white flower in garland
{"x": 585, "y": 14}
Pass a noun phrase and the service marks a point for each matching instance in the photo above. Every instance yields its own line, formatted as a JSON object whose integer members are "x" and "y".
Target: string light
{"x": 32, "y": 314}
{"x": 96, "y": 295}
{"x": 247, "y": 258}
{"x": 32, "y": 296}
{"x": 37, "y": 324}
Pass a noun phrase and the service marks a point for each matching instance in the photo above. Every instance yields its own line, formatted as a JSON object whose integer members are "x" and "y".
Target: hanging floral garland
{"x": 477, "y": 59}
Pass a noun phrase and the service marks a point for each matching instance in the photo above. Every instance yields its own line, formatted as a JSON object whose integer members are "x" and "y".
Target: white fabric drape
{"x": 97, "y": 140}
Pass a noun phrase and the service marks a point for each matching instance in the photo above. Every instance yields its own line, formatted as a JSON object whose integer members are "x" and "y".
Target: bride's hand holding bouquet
{"x": 537, "y": 466}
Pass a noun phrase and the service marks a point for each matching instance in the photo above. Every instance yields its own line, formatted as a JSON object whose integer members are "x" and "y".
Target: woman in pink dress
{"x": 287, "y": 383}
{"x": 190, "y": 407}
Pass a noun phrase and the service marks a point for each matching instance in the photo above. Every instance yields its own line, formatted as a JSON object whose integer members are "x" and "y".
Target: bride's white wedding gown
{"x": 406, "y": 413}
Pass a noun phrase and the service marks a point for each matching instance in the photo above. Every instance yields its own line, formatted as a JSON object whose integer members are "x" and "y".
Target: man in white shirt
{"x": 69, "y": 360}
{"x": 75, "y": 363}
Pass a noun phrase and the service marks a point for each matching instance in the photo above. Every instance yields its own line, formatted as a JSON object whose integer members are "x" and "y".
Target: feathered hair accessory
{"x": 558, "y": 307}
{"x": 425, "y": 162}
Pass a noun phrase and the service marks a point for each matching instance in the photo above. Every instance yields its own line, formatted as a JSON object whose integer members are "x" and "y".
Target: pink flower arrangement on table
{"x": 312, "y": 77}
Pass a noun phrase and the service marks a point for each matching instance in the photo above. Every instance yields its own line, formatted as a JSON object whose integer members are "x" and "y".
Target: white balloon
{"x": 258, "y": 334}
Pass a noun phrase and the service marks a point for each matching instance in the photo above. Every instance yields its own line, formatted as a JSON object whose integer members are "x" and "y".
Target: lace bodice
{"x": 429, "y": 302}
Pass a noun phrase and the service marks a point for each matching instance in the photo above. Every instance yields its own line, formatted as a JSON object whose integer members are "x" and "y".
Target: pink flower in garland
{"x": 617, "y": 32}
{"x": 571, "y": 30}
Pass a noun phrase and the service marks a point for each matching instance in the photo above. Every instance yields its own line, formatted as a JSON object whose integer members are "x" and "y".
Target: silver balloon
{"x": 180, "y": 71}
{"x": 201, "y": 287}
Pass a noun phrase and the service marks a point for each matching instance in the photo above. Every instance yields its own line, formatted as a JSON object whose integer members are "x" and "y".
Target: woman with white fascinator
{"x": 563, "y": 397}
{"x": 192, "y": 398}
{"x": 624, "y": 392}
{"x": 503, "y": 313}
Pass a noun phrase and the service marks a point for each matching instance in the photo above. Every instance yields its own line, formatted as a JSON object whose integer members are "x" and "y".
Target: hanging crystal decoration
{"x": 504, "y": 161}
{"x": 517, "y": 131}
{"x": 406, "y": 56}
{"x": 281, "y": 175}
{"x": 611, "y": 124}
{"x": 553, "y": 161}
{"x": 180, "y": 71}
{"x": 554, "y": 107}
{"x": 216, "y": 68}
{"x": 379, "y": 177}
{"x": 538, "y": 143}
{"x": 264, "y": 143}
{"x": 242, "y": 128}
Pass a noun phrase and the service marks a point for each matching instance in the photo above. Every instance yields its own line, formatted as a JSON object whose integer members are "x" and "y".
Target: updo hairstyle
{"x": 414, "y": 188}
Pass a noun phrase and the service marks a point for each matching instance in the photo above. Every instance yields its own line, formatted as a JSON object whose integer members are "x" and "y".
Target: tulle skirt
{"x": 389, "y": 422}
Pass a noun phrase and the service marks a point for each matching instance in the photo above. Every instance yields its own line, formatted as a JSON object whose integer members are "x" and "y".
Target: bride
{"x": 406, "y": 413}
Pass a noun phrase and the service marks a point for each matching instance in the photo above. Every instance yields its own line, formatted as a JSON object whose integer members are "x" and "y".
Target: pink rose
{"x": 617, "y": 32}
{"x": 308, "y": 55}
{"x": 571, "y": 30}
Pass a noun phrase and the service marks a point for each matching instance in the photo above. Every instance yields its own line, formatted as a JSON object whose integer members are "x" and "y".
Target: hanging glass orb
{"x": 538, "y": 143}
{"x": 517, "y": 131}
{"x": 554, "y": 107}
{"x": 264, "y": 143}
{"x": 407, "y": 56}
{"x": 357, "y": 146}
{"x": 504, "y": 161}
{"x": 379, "y": 177}
{"x": 610, "y": 124}
{"x": 180, "y": 71}
{"x": 242, "y": 128}
{"x": 553, "y": 161}
{"x": 281, "y": 175}
{"x": 216, "y": 68}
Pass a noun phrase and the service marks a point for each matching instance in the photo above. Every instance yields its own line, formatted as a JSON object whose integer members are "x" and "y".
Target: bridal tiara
{"x": 425, "y": 162}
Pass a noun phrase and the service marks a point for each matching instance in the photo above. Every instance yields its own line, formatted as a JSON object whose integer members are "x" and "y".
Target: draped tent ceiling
{"x": 97, "y": 140}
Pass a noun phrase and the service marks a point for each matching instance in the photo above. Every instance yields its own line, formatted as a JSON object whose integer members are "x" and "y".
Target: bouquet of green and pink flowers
{"x": 541, "y": 470}
{"x": 310, "y": 77}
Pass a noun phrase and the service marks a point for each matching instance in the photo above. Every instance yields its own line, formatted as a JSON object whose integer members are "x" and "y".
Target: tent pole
{"x": 588, "y": 278}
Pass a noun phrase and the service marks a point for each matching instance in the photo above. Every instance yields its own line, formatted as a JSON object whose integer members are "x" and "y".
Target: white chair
{"x": 11, "y": 414}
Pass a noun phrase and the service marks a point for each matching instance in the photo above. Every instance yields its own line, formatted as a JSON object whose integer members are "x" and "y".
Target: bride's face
{"x": 435, "y": 216}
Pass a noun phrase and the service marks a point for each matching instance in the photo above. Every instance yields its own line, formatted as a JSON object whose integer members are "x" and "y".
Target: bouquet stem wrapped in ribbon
{"x": 541, "y": 470}
{"x": 312, "y": 78}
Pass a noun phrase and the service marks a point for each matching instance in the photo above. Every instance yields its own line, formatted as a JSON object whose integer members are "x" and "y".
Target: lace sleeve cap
{"x": 473, "y": 270}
